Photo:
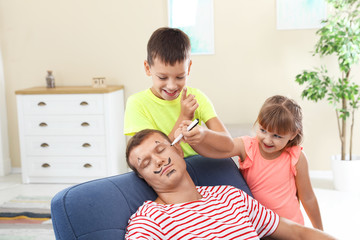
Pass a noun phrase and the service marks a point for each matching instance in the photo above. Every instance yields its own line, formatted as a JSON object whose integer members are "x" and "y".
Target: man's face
{"x": 168, "y": 80}
{"x": 161, "y": 165}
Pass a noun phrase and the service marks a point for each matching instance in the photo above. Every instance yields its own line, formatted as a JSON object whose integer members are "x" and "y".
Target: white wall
{"x": 85, "y": 38}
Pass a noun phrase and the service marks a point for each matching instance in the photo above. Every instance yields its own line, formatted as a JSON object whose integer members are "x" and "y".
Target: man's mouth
{"x": 161, "y": 169}
{"x": 166, "y": 169}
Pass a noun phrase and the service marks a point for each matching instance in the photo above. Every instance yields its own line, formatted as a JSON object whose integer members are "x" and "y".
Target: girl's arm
{"x": 215, "y": 136}
{"x": 306, "y": 193}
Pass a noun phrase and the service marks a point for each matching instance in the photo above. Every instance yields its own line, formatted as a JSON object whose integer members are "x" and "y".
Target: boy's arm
{"x": 209, "y": 143}
{"x": 289, "y": 230}
{"x": 306, "y": 193}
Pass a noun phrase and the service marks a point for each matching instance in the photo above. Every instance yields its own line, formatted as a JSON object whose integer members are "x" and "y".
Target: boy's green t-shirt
{"x": 146, "y": 111}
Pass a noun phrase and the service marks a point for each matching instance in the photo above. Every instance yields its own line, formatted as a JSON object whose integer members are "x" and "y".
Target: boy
{"x": 169, "y": 102}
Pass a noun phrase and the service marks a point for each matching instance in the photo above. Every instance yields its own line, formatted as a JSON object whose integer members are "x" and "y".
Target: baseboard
{"x": 5, "y": 168}
{"x": 321, "y": 179}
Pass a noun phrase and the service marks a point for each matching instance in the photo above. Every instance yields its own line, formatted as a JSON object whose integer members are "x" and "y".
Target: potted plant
{"x": 340, "y": 37}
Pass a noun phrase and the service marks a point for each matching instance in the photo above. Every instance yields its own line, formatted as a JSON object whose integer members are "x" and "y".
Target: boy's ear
{"x": 190, "y": 63}
{"x": 147, "y": 68}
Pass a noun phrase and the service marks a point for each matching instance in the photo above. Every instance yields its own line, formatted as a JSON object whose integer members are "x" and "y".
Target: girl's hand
{"x": 188, "y": 105}
{"x": 194, "y": 136}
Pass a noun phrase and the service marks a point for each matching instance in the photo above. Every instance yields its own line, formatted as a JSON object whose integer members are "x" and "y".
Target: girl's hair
{"x": 282, "y": 115}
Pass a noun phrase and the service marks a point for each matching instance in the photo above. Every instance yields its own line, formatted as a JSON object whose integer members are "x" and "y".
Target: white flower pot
{"x": 346, "y": 174}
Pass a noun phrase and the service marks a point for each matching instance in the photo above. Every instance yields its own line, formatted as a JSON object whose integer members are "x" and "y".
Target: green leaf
{"x": 339, "y": 36}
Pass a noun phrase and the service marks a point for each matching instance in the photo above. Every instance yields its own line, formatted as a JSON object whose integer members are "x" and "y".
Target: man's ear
{"x": 147, "y": 68}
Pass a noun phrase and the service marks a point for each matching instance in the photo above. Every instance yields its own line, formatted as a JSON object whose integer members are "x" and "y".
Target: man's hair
{"x": 282, "y": 115}
{"x": 169, "y": 45}
{"x": 137, "y": 139}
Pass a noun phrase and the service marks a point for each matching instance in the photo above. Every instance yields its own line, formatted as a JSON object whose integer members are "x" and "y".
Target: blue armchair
{"x": 100, "y": 209}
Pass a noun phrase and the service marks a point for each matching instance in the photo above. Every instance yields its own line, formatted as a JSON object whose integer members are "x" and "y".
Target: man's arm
{"x": 285, "y": 229}
{"x": 289, "y": 230}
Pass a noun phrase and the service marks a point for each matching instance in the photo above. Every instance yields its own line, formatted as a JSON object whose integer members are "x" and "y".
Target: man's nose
{"x": 159, "y": 161}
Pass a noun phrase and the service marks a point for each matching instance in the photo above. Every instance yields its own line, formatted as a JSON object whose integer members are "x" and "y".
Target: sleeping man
{"x": 185, "y": 211}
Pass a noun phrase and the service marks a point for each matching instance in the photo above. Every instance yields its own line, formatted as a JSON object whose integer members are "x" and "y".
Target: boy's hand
{"x": 188, "y": 105}
{"x": 192, "y": 137}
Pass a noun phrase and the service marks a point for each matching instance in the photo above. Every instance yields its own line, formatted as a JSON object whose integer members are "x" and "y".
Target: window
{"x": 195, "y": 18}
{"x": 300, "y": 14}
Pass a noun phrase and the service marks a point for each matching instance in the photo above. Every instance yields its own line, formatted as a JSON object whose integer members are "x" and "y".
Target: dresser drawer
{"x": 71, "y": 134}
{"x": 63, "y": 104}
{"x": 65, "y": 146}
{"x": 64, "y": 125}
{"x": 67, "y": 166}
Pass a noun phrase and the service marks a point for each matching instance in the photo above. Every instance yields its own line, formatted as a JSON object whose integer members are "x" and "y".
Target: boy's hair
{"x": 170, "y": 45}
{"x": 282, "y": 115}
{"x": 137, "y": 139}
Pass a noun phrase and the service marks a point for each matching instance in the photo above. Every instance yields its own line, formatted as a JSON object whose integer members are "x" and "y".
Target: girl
{"x": 272, "y": 163}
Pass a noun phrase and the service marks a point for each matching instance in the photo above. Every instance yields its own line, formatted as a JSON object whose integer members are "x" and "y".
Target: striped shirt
{"x": 224, "y": 212}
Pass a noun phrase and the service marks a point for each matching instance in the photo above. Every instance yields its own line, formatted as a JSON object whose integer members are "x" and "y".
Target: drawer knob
{"x": 42, "y": 124}
{"x": 41, "y": 104}
{"x": 44, "y": 145}
{"x": 85, "y": 124}
{"x": 83, "y": 103}
{"x": 87, "y": 165}
{"x": 86, "y": 145}
{"x": 45, "y": 165}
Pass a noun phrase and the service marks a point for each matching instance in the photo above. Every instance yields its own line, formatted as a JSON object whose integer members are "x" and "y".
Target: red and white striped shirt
{"x": 224, "y": 212}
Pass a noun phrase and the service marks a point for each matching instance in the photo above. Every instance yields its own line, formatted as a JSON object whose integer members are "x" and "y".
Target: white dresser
{"x": 71, "y": 134}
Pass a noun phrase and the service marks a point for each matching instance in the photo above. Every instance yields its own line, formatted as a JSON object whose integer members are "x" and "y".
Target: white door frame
{"x": 5, "y": 163}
